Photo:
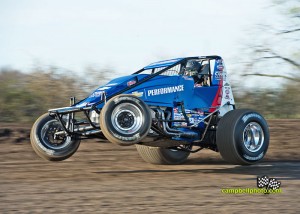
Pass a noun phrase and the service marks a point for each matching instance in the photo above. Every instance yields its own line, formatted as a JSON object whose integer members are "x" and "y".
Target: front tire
{"x": 125, "y": 120}
{"x": 46, "y": 145}
{"x": 159, "y": 155}
{"x": 243, "y": 137}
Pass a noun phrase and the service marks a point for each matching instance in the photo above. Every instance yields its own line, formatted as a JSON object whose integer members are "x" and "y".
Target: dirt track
{"x": 105, "y": 178}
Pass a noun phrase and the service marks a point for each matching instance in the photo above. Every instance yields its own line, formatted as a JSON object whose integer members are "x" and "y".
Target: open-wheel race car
{"x": 167, "y": 109}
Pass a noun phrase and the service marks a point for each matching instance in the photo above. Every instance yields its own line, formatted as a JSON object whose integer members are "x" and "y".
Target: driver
{"x": 192, "y": 69}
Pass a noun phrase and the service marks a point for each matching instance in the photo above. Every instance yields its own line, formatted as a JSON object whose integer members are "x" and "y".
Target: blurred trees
{"x": 24, "y": 97}
{"x": 275, "y": 51}
{"x": 279, "y": 103}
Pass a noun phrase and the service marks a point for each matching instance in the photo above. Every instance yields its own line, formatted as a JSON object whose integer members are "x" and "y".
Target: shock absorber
{"x": 71, "y": 115}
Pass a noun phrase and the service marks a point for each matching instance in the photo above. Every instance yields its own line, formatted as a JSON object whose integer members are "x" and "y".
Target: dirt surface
{"x": 105, "y": 178}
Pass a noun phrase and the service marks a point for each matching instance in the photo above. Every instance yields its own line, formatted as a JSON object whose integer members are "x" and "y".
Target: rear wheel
{"x": 159, "y": 155}
{"x": 47, "y": 145}
{"x": 243, "y": 137}
{"x": 125, "y": 120}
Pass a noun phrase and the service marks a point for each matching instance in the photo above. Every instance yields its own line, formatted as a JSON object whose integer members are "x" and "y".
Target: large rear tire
{"x": 46, "y": 145}
{"x": 243, "y": 137}
{"x": 125, "y": 120}
{"x": 159, "y": 155}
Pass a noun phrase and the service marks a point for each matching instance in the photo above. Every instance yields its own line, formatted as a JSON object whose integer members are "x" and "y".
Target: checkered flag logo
{"x": 273, "y": 184}
{"x": 268, "y": 183}
{"x": 262, "y": 181}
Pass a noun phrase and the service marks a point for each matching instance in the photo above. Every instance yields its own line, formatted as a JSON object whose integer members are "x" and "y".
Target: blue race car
{"x": 167, "y": 109}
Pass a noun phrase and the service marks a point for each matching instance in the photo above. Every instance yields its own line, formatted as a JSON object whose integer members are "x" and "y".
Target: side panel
{"x": 196, "y": 97}
{"x": 159, "y": 91}
{"x": 166, "y": 90}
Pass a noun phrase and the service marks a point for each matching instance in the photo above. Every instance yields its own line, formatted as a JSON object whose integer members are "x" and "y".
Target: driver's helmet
{"x": 192, "y": 68}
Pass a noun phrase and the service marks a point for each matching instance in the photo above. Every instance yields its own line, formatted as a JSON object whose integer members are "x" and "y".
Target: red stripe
{"x": 218, "y": 98}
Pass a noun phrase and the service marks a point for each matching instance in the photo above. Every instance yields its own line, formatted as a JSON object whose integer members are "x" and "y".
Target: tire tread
{"x": 158, "y": 155}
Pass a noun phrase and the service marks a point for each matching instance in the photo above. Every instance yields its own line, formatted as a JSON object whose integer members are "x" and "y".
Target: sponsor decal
{"x": 134, "y": 137}
{"x": 131, "y": 82}
{"x": 220, "y": 67}
{"x": 188, "y": 111}
{"x": 219, "y": 61}
{"x": 218, "y": 75}
{"x": 187, "y": 77}
{"x": 178, "y": 116}
{"x": 247, "y": 116}
{"x": 200, "y": 112}
{"x": 227, "y": 93}
{"x": 97, "y": 94}
{"x": 192, "y": 120}
{"x": 137, "y": 94}
{"x": 167, "y": 90}
{"x": 260, "y": 156}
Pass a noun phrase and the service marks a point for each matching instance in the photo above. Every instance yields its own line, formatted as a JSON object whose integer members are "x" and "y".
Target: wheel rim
{"x": 127, "y": 118}
{"x": 48, "y": 135}
{"x": 253, "y": 137}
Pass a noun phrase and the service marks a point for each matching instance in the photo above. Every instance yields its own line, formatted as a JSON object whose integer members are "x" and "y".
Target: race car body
{"x": 165, "y": 109}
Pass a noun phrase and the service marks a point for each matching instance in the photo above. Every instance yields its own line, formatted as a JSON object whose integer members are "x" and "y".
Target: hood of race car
{"x": 110, "y": 88}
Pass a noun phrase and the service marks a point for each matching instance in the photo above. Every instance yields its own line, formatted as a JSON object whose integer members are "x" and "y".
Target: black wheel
{"x": 158, "y": 155}
{"x": 243, "y": 137}
{"x": 47, "y": 145}
{"x": 125, "y": 120}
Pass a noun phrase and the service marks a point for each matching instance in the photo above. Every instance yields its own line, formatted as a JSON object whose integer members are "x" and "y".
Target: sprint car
{"x": 167, "y": 109}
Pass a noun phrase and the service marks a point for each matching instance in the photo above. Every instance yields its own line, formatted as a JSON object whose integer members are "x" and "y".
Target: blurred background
{"x": 51, "y": 50}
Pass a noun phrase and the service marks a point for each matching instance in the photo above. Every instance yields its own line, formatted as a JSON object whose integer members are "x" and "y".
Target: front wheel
{"x": 47, "y": 145}
{"x": 125, "y": 120}
{"x": 159, "y": 155}
{"x": 243, "y": 137}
